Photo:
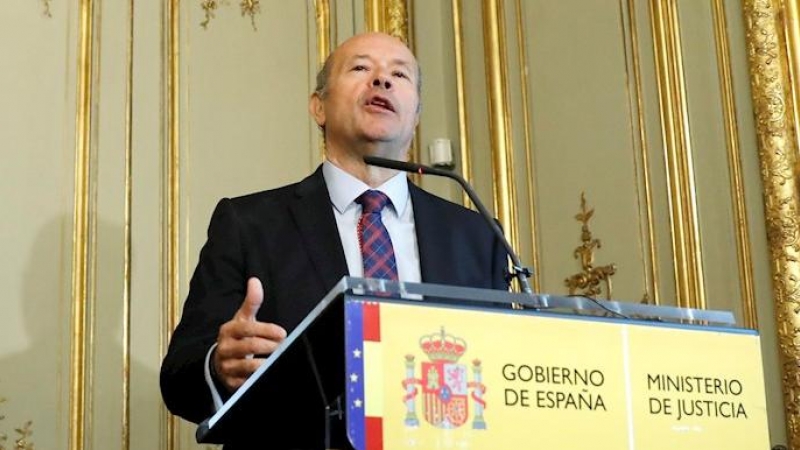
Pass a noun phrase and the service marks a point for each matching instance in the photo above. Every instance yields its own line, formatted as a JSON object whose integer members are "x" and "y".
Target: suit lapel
{"x": 313, "y": 214}
{"x": 435, "y": 262}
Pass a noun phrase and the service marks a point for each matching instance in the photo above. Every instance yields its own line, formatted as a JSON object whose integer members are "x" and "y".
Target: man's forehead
{"x": 373, "y": 46}
{"x": 402, "y": 61}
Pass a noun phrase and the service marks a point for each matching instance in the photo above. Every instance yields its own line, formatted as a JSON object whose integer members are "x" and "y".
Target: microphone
{"x": 521, "y": 273}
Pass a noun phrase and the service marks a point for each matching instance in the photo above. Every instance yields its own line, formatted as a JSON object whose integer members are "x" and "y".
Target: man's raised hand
{"x": 242, "y": 337}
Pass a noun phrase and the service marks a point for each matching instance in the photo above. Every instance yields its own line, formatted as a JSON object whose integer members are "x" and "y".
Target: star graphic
{"x": 357, "y": 403}
{"x": 356, "y": 353}
{"x": 353, "y": 377}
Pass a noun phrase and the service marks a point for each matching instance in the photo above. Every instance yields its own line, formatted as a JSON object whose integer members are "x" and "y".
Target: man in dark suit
{"x": 270, "y": 256}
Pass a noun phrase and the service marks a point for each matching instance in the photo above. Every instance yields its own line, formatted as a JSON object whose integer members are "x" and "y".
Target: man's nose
{"x": 380, "y": 81}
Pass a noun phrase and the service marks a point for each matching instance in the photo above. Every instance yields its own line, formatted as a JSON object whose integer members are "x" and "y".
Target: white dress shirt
{"x": 398, "y": 217}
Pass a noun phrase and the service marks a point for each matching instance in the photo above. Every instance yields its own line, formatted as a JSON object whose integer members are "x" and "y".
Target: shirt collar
{"x": 345, "y": 188}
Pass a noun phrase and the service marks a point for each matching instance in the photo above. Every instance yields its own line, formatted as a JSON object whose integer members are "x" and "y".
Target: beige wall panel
{"x": 476, "y": 102}
{"x": 109, "y": 125}
{"x": 37, "y": 128}
{"x": 433, "y": 42}
{"x": 147, "y": 272}
{"x": 244, "y": 119}
{"x": 709, "y": 151}
{"x": 516, "y": 109}
{"x": 582, "y": 140}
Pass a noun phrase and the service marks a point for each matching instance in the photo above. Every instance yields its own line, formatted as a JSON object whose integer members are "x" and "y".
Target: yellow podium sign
{"x": 433, "y": 377}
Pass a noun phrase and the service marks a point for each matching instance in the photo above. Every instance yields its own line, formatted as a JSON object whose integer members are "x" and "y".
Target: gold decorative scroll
{"x": 209, "y": 11}
{"x": 777, "y": 148}
{"x": 677, "y": 145}
{"x": 81, "y": 239}
{"x": 248, "y": 8}
{"x": 500, "y": 118}
{"x": 46, "y": 8}
{"x": 741, "y": 226}
{"x": 589, "y": 281}
{"x": 24, "y": 433}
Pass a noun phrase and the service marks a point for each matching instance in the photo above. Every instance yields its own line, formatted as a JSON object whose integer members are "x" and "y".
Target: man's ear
{"x": 317, "y": 110}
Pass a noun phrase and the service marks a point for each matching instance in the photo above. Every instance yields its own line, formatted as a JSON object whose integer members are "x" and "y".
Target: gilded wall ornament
{"x": 24, "y": 433}
{"x": 248, "y": 8}
{"x": 777, "y": 146}
{"x": 590, "y": 280}
{"x": 46, "y": 8}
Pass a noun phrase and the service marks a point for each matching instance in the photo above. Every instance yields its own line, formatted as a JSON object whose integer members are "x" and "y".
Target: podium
{"x": 413, "y": 365}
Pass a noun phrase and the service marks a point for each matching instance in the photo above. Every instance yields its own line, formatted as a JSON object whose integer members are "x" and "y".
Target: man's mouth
{"x": 381, "y": 102}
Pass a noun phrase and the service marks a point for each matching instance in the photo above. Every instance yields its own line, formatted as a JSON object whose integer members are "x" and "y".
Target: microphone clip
{"x": 517, "y": 272}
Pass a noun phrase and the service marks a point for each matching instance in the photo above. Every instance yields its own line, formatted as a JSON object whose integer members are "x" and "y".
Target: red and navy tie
{"x": 377, "y": 252}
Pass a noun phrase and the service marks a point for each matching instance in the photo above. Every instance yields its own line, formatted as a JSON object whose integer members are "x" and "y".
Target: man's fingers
{"x": 233, "y": 373}
{"x": 252, "y": 300}
{"x": 245, "y": 329}
{"x": 241, "y": 348}
{"x": 239, "y": 368}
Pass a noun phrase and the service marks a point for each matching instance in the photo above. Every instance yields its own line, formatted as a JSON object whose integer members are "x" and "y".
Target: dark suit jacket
{"x": 287, "y": 237}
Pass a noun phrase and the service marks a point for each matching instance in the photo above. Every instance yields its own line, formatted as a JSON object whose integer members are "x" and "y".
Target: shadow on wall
{"x": 36, "y": 380}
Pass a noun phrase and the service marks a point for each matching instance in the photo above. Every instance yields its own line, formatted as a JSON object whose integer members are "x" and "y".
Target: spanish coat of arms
{"x": 444, "y": 384}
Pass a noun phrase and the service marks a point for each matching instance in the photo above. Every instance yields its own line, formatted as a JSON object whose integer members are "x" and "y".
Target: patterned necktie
{"x": 377, "y": 252}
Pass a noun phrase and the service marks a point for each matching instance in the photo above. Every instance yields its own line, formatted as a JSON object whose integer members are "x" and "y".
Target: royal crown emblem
{"x": 444, "y": 383}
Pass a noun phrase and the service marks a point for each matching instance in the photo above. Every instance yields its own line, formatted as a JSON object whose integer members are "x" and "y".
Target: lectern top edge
{"x": 539, "y": 302}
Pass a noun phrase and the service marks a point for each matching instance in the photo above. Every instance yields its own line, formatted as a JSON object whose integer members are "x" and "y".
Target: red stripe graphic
{"x": 374, "y": 432}
{"x": 372, "y": 321}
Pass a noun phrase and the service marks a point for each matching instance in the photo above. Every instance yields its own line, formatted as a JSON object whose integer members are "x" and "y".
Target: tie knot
{"x": 372, "y": 201}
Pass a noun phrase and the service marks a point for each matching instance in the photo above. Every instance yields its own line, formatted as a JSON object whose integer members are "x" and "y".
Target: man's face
{"x": 371, "y": 96}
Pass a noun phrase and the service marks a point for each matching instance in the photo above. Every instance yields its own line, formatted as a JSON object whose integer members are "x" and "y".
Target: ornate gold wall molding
{"x": 170, "y": 241}
{"x": 82, "y": 299}
{"x": 505, "y": 198}
{"x": 461, "y": 98}
{"x": 777, "y": 148}
{"x": 741, "y": 227}
{"x": 322, "y": 14}
{"x": 791, "y": 30}
{"x": 388, "y": 16}
{"x": 649, "y": 262}
{"x": 677, "y": 145}
{"x": 527, "y": 133}
{"x": 128, "y": 242}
